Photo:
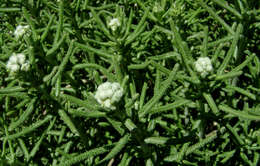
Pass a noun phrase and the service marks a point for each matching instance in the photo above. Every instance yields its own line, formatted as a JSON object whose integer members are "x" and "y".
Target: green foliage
{"x": 168, "y": 115}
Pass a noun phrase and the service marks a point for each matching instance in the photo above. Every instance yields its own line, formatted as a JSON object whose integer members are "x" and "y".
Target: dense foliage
{"x": 169, "y": 113}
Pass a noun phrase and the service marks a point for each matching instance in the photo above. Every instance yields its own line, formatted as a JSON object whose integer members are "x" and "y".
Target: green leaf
{"x": 209, "y": 138}
{"x": 216, "y": 17}
{"x": 171, "y": 106}
{"x": 147, "y": 107}
{"x": 237, "y": 113}
{"x": 83, "y": 156}
{"x": 211, "y": 103}
{"x": 14, "y": 89}
{"x": 29, "y": 129}
{"x": 24, "y": 116}
{"x": 118, "y": 147}
{"x": 79, "y": 102}
{"x": 87, "y": 113}
{"x": 67, "y": 120}
{"x": 156, "y": 140}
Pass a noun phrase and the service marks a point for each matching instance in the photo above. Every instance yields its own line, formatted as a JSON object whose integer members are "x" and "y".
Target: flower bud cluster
{"x": 114, "y": 23}
{"x": 203, "y": 66}
{"x": 17, "y": 62}
{"x": 109, "y": 93}
{"x": 21, "y": 30}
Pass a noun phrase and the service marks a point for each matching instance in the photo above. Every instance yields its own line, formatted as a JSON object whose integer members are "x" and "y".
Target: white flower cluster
{"x": 108, "y": 93}
{"x": 17, "y": 62}
{"x": 114, "y": 23}
{"x": 203, "y": 66}
{"x": 20, "y": 31}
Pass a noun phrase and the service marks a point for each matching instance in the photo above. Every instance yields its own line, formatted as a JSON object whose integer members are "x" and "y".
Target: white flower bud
{"x": 97, "y": 97}
{"x": 114, "y": 23}
{"x": 203, "y": 66}
{"x": 115, "y": 86}
{"x": 8, "y": 65}
{"x": 14, "y": 68}
{"x": 13, "y": 59}
{"x": 20, "y": 58}
{"x": 108, "y": 93}
{"x": 21, "y": 30}
{"x": 17, "y": 62}
{"x": 117, "y": 96}
{"x": 104, "y": 86}
{"x": 107, "y": 103}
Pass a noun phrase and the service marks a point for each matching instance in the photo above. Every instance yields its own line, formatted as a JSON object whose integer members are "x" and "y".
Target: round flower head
{"x": 114, "y": 23}
{"x": 21, "y": 30}
{"x": 17, "y": 62}
{"x": 108, "y": 93}
{"x": 203, "y": 66}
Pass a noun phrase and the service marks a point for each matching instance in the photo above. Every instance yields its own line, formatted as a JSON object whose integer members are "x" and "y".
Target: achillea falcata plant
{"x": 122, "y": 83}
